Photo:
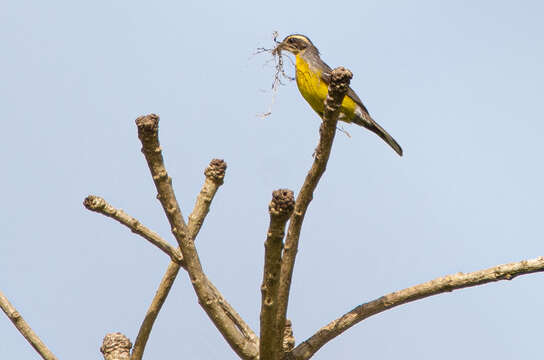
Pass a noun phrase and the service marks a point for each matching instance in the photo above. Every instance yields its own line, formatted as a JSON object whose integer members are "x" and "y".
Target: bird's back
{"x": 313, "y": 78}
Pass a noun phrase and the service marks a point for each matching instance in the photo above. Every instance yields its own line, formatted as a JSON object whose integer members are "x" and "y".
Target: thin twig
{"x": 448, "y": 283}
{"x": 210, "y": 302}
{"x": 337, "y": 89}
{"x": 280, "y": 209}
{"x": 25, "y": 329}
{"x": 99, "y": 205}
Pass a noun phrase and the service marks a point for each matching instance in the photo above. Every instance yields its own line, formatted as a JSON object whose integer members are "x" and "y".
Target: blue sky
{"x": 458, "y": 84}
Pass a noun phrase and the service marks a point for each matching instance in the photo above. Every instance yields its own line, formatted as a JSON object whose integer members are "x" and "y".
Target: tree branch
{"x": 280, "y": 209}
{"x": 210, "y": 302}
{"x": 337, "y": 89}
{"x": 99, "y": 205}
{"x": 448, "y": 283}
{"x": 153, "y": 311}
{"x": 215, "y": 174}
{"x": 25, "y": 329}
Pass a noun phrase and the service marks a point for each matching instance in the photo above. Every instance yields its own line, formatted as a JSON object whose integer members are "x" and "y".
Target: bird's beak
{"x": 283, "y": 46}
{"x": 277, "y": 50}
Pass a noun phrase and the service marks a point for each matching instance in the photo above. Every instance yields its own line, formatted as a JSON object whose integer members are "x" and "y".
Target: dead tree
{"x": 276, "y": 339}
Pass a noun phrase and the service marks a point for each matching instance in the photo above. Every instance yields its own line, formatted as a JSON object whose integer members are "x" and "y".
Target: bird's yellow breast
{"x": 314, "y": 89}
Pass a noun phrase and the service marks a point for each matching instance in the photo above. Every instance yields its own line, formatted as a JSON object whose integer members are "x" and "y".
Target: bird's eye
{"x": 291, "y": 40}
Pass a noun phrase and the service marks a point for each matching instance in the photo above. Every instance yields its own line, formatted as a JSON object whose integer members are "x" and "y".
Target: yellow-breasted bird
{"x": 313, "y": 78}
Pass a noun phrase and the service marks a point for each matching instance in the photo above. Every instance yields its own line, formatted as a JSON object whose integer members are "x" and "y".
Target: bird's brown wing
{"x": 326, "y": 77}
{"x": 364, "y": 119}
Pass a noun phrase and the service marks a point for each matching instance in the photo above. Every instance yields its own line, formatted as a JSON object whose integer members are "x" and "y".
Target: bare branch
{"x": 337, "y": 89}
{"x": 154, "y": 309}
{"x": 215, "y": 173}
{"x": 448, "y": 283}
{"x": 280, "y": 209}
{"x": 99, "y": 205}
{"x": 25, "y": 329}
{"x": 210, "y": 302}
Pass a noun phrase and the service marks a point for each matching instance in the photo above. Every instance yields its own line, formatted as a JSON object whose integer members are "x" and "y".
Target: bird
{"x": 313, "y": 77}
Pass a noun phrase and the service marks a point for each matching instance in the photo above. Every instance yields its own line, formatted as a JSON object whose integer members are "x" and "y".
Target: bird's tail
{"x": 364, "y": 119}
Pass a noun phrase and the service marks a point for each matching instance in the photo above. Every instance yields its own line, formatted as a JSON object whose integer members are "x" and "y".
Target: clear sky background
{"x": 457, "y": 83}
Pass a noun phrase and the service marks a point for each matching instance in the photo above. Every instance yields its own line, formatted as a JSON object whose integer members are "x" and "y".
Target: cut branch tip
{"x": 282, "y": 204}
{"x": 216, "y": 170}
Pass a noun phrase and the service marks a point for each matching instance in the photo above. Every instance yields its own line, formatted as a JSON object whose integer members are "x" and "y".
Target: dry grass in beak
{"x": 278, "y": 57}
{"x": 279, "y": 66}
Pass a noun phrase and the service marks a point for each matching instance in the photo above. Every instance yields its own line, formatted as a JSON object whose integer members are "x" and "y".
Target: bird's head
{"x": 295, "y": 44}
